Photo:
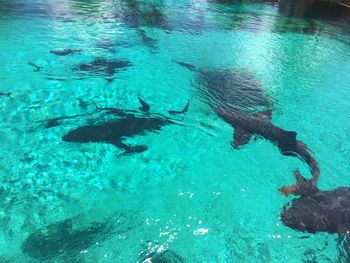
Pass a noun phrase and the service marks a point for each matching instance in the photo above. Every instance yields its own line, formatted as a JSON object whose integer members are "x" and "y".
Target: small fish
{"x": 65, "y": 52}
{"x": 184, "y": 110}
{"x": 303, "y": 237}
{"x": 37, "y": 68}
{"x": 6, "y": 94}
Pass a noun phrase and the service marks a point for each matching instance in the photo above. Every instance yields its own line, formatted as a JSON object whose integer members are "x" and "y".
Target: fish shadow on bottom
{"x": 68, "y": 238}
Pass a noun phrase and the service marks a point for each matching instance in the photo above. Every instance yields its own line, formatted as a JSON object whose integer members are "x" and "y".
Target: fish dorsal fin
{"x": 240, "y": 137}
{"x": 266, "y": 114}
{"x": 144, "y": 105}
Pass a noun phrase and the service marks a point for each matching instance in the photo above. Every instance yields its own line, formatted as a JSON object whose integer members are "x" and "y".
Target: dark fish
{"x": 230, "y": 89}
{"x": 102, "y": 65}
{"x": 65, "y": 52}
{"x": 122, "y": 123}
{"x": 320, "y": 211}
{"x": 260, "y": 124}
{"x": 114, "y": 131}
{"x": 6, "y": 94}
{"x": 37, "y": 68}
{"x": 184, "y": 110}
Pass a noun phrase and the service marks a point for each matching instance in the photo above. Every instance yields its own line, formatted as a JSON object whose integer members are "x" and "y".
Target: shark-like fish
{"x": 319, "y": 211}
{"x": 115, "y": 130}
{"x": 230, "y": 89}
{"x": 104, "y": 66}
{"x": 121, "y": 124}
{"x": 245, "y": 125}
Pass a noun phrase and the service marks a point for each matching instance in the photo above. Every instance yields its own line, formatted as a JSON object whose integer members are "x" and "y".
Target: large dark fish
{"x": 320, "y": 211}
{"x": 260, "y": 124}
{"x": 128, "y": 124}
{"x": 231, "y": 89}
{"x": 114, "y": 131}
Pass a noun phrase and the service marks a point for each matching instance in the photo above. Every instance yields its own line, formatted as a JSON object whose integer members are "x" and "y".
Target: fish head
{"x": 81, "y": 134}
{"x": 70, "y": 137}
{"x": 306, "y": 215}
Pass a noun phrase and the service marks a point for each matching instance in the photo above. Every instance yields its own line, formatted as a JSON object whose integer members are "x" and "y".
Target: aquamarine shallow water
{"x": 190, "y": 193}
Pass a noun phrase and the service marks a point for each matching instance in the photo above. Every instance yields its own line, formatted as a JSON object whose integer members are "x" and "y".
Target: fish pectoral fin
{"x": 128, "y": 149}
{"x": 136, "y": 149}
{"x": 144, "y": 105}
{"x": 240, "y": 137}
{"x": 266, "y": 114}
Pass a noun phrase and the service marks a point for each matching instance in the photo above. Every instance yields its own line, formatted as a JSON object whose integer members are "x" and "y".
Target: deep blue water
{"x": 190, "y": 193}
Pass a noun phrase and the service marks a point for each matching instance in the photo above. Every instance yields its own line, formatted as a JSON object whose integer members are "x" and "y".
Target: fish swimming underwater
{"x": 319, "y": 211}
{"x": 245, "y": 125}
{"x": 114, "y": 131}
{"x": 104, "y": 66}
{"x": 65, "y": 52}
{"x": 230, "y": 89}
{"x": 37, "y": 68}
{"x": 233, "y": 96}
{"x": 125, "y": 123}
{"x": 6, "y": 94}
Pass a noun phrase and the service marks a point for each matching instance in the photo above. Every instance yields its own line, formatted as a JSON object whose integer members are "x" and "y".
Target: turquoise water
{"x": 190, "y": 193}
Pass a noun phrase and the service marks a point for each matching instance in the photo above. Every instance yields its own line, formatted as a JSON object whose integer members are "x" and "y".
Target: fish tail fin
{"x": 144, "y": 105}
{"x": 302, "y": 187}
